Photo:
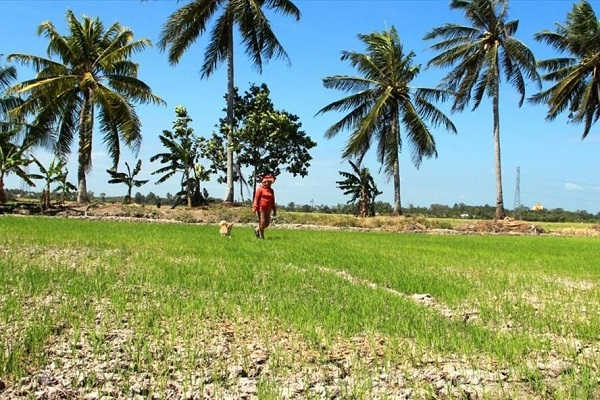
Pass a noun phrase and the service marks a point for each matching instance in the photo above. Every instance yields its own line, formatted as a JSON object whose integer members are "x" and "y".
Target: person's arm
{"x": 256, "y": 202}
{"x": 274, "y": 205}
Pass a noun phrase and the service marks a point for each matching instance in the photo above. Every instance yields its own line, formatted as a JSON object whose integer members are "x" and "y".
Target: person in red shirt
{"x": 264, "y": 205}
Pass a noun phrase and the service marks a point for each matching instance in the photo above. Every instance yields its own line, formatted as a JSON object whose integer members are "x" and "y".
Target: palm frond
{"x": 184, "y": 26}
{"x": 218, "y": 46}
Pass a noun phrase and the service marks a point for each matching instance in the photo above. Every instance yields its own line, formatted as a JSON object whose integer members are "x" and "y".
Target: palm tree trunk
{"x": 500, "y": 212}
{"x": 230, "y": 100}
{"x": 397, "y": 206}
{"x": 46, "y": 204}
{"x": 85, "y": 149}
{"x": 2, "y": 191}
{"x": 396, "y": 166}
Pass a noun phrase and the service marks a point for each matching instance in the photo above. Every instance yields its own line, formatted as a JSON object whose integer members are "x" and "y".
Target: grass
{"x": 169, "y": 296}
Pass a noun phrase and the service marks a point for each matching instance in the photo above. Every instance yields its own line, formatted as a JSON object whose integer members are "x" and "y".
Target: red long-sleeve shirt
{"x": 264, "y": 199}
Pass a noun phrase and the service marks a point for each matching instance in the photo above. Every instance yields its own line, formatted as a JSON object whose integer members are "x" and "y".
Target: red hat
{"x": 267, "y": 178}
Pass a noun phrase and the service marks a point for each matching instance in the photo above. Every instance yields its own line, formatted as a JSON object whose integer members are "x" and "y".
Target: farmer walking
{"x": 264, "y": 204}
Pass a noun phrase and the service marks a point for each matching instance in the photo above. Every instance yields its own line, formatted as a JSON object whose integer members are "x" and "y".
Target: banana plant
{"x": 127, "y": 178}
{"x": 361, "y": 186}
{"x": 14, "y": 159}
{"x": 54, "y": 173}
{"x": 63, "y": 187}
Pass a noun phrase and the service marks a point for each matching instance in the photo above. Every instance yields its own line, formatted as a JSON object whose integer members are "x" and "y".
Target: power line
{"x": 561, "y": 197}
{"x": 594, "y": 185}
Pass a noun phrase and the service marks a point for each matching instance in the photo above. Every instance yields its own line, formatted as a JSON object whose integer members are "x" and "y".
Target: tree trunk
{"x": 500, "y": 212}
{"x": 397, "y": 206}
{"x": 128, "y": 198}
{"x": 85, "y": 149}
{"x": 230, "y": 105}
{"x": 2, "y": 191}
{"x": 363, "y": 207}
{"x": 188, "y": 191}
{"x": 46, "y": 202}
{"x": 396, "y": 167}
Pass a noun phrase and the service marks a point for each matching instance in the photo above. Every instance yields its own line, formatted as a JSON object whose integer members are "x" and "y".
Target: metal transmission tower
{"x": 517, "y": 204}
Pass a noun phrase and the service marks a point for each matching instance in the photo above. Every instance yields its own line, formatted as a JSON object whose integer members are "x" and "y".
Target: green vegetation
{"x": 482, "y": 54}
{"x": 520, "y": 313}
{"x": 91, "y": 80}
{"x": 188, "y": 23}
{"x": 383, "y": 105}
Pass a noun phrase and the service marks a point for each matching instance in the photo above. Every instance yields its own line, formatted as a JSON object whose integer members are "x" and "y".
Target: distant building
{"x": 538, "y": 207}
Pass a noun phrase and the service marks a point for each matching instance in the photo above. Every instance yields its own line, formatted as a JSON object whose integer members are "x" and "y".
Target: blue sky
{"x": 557, "y": 168}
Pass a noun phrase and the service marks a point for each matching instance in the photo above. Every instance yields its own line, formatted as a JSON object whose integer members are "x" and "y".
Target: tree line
{"x": 89, "y": 81}
{"x": 380, "y": 208}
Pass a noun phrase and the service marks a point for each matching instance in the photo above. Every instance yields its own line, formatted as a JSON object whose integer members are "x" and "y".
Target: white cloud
{"x": 572, "y": 187}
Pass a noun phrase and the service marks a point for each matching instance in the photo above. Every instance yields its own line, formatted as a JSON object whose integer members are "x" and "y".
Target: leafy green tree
{"x": 480, "y": 54}
{"x": 184, "y": 150}
{"x": 382, "y": 102}
{"x": 383, "y": 208}
{"x": 216, "y": 152}
{"x": 576, "y": 82}
{"x": 139, "y": 198}
{"x": 361, "y": 186}
{"x": 54, "y": 173}
{"x": 128, "y": 178}
{"x": 187, "y": 24}
{"x": 14, "y": 159}
{"x": 94, "y": 78}
{"x": 267, "y": 140}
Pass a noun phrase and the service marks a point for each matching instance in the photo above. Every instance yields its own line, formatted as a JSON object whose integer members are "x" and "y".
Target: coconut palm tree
{"x": 480, "y": 54}
{"x": 93, "y": 79}
{"x": 382, "y": 104}
{"x": 13, "y": 157}
{"x": 190, "y": 22}
{"x": 8, "y": 74}
{"x": 577, "y": 83}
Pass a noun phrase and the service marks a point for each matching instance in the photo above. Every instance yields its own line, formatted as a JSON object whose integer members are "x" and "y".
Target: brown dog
{"x": 225, "y": 228}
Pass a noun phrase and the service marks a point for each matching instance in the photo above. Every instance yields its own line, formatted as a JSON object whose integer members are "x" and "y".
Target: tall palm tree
{"x": 381, "y": 102}
{"x": 188, "y": 23}
{"x": 577, "y": 82}
{"x": 94, "y": 78}
{"x": 480, "y": 54}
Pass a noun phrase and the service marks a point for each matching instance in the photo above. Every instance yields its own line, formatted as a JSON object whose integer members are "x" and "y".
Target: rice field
{"x": 115, "y": 309}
